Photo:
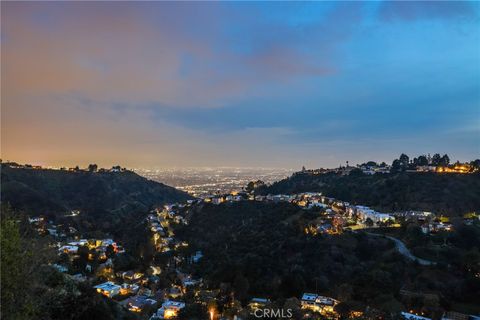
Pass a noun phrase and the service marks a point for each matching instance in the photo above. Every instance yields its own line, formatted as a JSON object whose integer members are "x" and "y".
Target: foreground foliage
{"x": 31, "y": 289}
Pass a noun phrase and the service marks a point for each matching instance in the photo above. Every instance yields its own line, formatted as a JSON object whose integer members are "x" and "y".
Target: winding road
{"x": 402, "y": 248}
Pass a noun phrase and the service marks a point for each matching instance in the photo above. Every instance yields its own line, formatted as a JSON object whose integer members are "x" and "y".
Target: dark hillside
{"x": 260, "y": 249}
{"x": 450, "y": 194}
{"x": 57, "y": 192}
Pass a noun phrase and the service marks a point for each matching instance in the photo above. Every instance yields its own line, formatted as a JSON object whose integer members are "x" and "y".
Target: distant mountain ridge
{"x": 449, "y": 194}
{"x": 54, "y": 192}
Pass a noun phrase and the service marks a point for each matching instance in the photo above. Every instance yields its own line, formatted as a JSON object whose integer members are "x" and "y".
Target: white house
{"x": 108, "y": 289}
{"x": 365, "y": 213}
{"x": 411, "y": 316}
{"x": 69, "y": 249}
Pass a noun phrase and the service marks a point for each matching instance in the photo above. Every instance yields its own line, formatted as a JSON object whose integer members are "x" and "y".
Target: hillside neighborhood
{"x": 146, "y": 291}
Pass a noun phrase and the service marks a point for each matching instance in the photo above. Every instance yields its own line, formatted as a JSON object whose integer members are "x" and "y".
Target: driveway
{"x": 402, "y": 248}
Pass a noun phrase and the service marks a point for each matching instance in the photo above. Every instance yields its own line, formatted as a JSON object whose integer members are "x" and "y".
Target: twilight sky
{"x": 273, "y": 84}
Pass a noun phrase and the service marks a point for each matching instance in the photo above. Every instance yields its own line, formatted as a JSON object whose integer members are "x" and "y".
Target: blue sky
{"x": 273, "y": 84}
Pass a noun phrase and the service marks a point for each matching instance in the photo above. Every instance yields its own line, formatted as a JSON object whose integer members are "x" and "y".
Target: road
{"x": 402, "y": 248}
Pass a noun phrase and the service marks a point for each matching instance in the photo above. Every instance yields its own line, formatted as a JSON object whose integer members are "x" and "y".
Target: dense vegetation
{"x": 260, "y": 249}
{"x": 104, "y": 195}
{"x": 449, "y": 194}
{"x": 31, "y": 289}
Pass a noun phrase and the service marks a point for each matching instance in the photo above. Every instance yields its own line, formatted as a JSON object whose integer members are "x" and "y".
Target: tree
{"x": 193, "y": 312}
{"x": 422, "y": 161}
{"x": 345, "y": 292}
{"x": 436, "y": 159}
{"x": 22, "y": 254}
{"x": 396, "y": 166}
{"x": 292, "y": 284}
{"x": 293, "y": 304}
{"x": 16, "y": 303}
{"x": 404, "y": 160}
{"x": 471, "y": 261}
{"x": 116, "y": 168}
{"x": 250, "y": 187}
{"x": 445, "y": 160}
{"x": 369, "y": 222}
{"x": 92, "y": 168}
{"x": 475, "y": 163}
{"x": 356, "y": 173}
{"x": 110, "y": 252}
{"x": 81, "y": 261}
{"x": 241, "y": 286}
{"x": 392, "y": 305}
{"x": 414, "y": 234}
{"x": 345, "y": 307}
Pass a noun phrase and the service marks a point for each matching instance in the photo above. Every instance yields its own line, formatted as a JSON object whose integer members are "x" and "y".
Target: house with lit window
{"x": 108, "y": 289}
{"x": 69, "y": 249}
{"x": 168, "y": 310}
{"x": 128, "y": 288}
{"x": 258, "y": 303}
{"x": 365, "y": 213}
{"x": 174, "y": 292}
{"x": 78, "y": 243}
{"x": 317, "y": 303}
{"x": 138, "y": 303}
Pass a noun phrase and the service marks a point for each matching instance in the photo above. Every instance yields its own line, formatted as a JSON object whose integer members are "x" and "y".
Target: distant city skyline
{"x": 232, "y": 84}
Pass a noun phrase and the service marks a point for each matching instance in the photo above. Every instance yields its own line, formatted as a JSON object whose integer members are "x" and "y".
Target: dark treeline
{"x": 404, "y": 162}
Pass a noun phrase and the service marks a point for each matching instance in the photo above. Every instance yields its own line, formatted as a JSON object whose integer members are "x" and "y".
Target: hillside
{"x": 57, "y": 192}
{"x": 260, "y": 249}
{"x": 265, "y": 243}
{"x": 450, "y": 194}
